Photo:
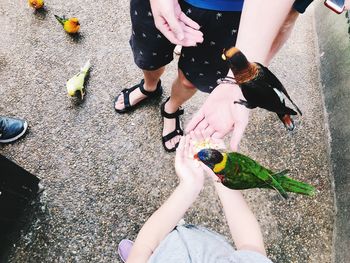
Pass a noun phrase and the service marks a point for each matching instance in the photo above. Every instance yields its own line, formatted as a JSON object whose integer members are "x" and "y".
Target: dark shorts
{"x": 202, "y": 65}
{"x": 301, "y": 5}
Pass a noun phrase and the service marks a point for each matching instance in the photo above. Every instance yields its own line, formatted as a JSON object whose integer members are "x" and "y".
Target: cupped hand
{"x": 199, "y": 136}
{"x": 178, "y": 28}
{"x": 187, "y": 168}
{"x": 219, "y": 115}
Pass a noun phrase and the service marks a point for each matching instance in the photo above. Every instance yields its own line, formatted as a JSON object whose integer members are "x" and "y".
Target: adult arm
{"x": 259, "y": 26}
{"x": 174, "y": 24}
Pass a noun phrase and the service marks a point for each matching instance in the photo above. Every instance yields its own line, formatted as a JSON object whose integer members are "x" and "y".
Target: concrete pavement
{"x": 106, "y": 173}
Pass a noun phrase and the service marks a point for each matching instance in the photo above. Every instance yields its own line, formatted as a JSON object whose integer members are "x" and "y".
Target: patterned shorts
{"x": 202, "y": 65}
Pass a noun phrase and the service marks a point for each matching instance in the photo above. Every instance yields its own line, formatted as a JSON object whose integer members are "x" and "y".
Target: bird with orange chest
{"x": 260, "y": 87}
{"x": 70, "y": 25}
{"x": 36, "y": 4}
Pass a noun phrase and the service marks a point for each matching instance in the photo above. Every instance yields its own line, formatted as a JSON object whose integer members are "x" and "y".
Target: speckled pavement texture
{"x": 333, "y": 33}
{"x": 106, "y": 173}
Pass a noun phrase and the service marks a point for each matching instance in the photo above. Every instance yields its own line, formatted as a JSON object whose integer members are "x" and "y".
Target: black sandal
{"x": 126, "y": 93}
{"x": 177, "y": 131}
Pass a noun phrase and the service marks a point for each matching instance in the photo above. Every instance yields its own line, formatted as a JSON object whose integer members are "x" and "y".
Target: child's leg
{"x": 181, "y": 91}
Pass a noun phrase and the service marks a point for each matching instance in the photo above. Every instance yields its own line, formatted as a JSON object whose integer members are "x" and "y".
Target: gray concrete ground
{"x": 333, "y": 34}
{"x": 106, "y": 173}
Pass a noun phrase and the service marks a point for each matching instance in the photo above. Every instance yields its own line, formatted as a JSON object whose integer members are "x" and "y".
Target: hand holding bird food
{"x": 36, "y": 4}
{"x": 187, "y": 168}
{"x": 260, "y": 87}
{"x": 237, "y": 171}
{"x": 70, "y": 25}
{"x": 76, "y": 83}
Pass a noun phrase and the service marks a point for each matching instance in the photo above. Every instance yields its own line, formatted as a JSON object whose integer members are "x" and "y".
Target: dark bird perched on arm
{"x": 260, "y": 87}
{"x": 237, "y": 171}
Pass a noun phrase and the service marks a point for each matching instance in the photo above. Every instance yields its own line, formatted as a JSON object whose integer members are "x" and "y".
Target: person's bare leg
{"x": 151, "y": 79}
{"x": 181, "y": 91}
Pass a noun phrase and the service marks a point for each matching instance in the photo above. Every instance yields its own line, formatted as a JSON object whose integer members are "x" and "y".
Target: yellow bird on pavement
{"x": 70, "y": 25}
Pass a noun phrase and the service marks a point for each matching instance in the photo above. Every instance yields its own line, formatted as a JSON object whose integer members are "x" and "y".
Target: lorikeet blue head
{"x": 210, "y": 157}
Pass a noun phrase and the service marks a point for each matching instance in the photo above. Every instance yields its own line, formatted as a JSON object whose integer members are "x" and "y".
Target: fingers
{"x": 191, "y": 40}
{"x": 237, "y": 135}
{"x": 197, "y": 118}
{"x": 208, "y": 171}
{"x": 218, "y": 135}
{"x": 187, "y": 146}
{"x": 188, "y": 21}
{"x": 174, "y": 25}
{"x": 196, "y": 136}
{"x": 202, "y": 125}
{"x": 193, "y": 34}
{"x": 208, "y": 132}
{"x": 180, "y": 148}
{"x": 163, "y": 27}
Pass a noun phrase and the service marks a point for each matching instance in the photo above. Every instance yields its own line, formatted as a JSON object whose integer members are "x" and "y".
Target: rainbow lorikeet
{"x": 260, "y": 87}
{"x": 237, "y": 171}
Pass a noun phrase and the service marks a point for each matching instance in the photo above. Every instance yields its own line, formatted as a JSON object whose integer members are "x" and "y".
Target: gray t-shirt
{"x": 189, "y": 243}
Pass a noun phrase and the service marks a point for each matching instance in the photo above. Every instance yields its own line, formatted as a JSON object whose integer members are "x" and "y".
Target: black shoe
{"x": 11, "y": 129}
{"x": 126, "y": 93}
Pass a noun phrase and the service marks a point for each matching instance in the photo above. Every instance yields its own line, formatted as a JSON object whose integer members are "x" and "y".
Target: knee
{"x": 185, "y": 83}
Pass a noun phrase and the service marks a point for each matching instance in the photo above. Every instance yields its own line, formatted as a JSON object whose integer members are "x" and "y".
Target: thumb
{"x": 175, "y": 26}
{"x": 196, "y": 119}
{"x": 237, "y": 135}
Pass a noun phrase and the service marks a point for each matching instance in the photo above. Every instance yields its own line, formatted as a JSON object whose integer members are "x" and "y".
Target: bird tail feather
{"x": 86, "y": 67}
{"x": 294, "y": 186}
{"x": 296, "y": 107}
{"x": 60, "y": 19}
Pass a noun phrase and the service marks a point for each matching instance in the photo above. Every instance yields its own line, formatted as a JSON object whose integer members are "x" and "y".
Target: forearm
{"x": 258, "y": 27}
{"x": 283, "y": 34}
{"x": 162, "y": 222}
{"x": 244, "y": 227}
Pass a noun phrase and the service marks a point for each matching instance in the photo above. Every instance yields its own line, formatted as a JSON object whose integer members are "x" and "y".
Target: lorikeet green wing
{"x": 242, "y": 172}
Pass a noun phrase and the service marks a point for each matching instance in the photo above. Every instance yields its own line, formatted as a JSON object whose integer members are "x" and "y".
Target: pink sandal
{"x": 124, "y": 249}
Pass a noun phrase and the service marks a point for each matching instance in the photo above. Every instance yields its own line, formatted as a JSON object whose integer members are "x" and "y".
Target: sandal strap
{"x": 150, "y": 93}
{"x": 171, "y": 135}
{"x": 174, "y": 115}
{"x": 178, "y": 130}
{"x": 126, "y": 94}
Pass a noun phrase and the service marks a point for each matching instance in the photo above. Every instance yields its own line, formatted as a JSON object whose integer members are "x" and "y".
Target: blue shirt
{"x": 218, "y": 5}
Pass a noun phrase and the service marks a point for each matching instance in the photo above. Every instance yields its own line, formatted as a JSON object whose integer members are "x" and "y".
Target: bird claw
{"x": 226, "y": 80}
{"x": 82, "y": 93}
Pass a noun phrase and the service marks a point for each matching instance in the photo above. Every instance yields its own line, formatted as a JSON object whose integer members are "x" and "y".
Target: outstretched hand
{"x": 219, "y": 115}
{"x": 178, "y": 28}
{"x": 187, "y": 168}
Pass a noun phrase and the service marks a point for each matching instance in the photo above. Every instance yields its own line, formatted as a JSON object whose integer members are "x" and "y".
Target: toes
{"x": 119, "y": 104}
{"x": 171, "y": 143}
